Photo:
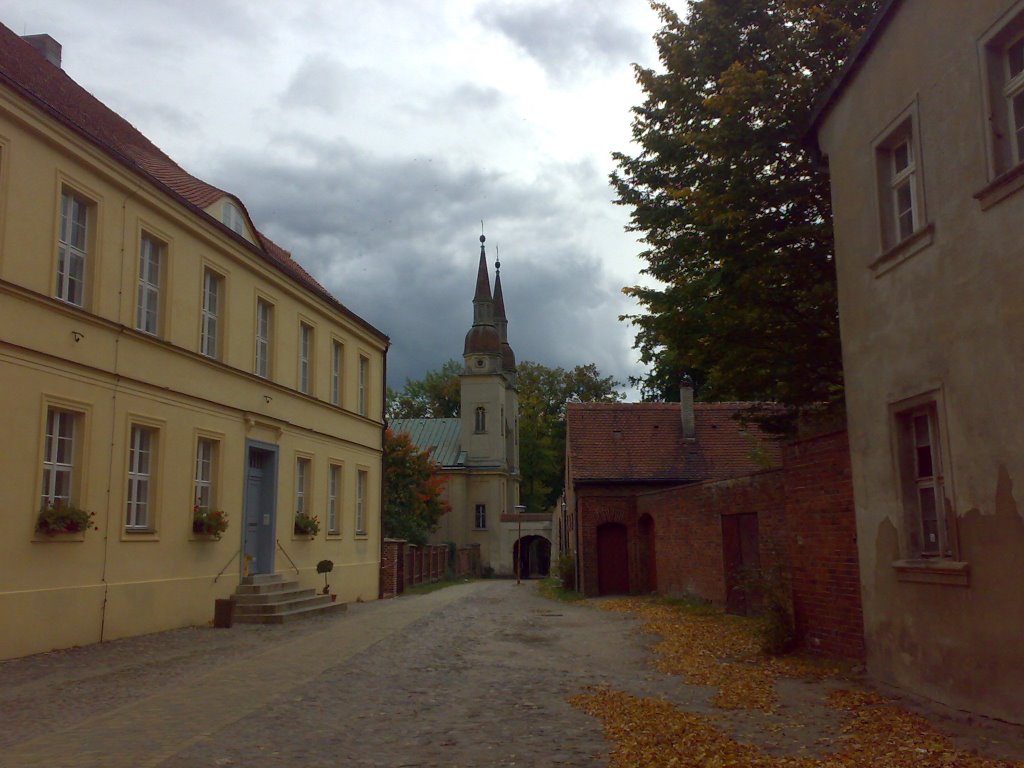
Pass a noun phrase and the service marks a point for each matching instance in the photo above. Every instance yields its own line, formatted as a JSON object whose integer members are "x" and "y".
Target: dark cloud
{"x": 565, "y": 37}
{"x": 396, "y": 241}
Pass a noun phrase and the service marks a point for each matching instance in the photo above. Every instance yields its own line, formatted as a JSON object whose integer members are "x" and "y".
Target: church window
{"x": 480, "y": 516}
{"x": 480, "y": 425}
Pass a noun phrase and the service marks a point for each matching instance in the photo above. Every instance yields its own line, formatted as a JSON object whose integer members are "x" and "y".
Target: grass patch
{"x": 551, "y": 588}
{"x": 433, "y": 586}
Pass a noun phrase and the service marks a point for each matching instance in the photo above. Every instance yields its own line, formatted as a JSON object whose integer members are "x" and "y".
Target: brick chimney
{"x": 48, "y": 48}
{"x": 686, "y": 407}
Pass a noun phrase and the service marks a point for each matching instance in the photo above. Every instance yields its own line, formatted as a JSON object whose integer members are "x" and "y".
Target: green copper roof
{"x": 439, "y": 435}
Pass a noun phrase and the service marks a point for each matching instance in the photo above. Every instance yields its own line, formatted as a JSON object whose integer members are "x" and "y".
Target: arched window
{"x": 481, "y": 419}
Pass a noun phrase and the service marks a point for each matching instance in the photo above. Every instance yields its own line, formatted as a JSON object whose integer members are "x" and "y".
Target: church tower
{"x": 489, "y": 405}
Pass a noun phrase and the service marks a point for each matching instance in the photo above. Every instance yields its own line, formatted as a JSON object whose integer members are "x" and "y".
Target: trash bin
{"x": 223, "y": 612}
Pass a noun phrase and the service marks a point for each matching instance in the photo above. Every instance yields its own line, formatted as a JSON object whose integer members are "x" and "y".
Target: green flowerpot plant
{"x": 325, "y": 567}
{"x": 61, "y": 516}
{"x": 306, "y": 525}
{"x": 209, "y": 522}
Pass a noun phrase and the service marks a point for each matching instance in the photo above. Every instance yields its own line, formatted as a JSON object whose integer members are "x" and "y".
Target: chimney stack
{"x": 686, "y": 407}
{"x": 48, "y": 48}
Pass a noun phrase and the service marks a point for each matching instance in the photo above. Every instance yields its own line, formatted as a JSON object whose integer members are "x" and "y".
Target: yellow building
{"x": 158, "y": 357}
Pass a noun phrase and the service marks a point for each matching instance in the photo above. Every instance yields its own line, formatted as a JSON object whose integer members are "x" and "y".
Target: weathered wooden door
{"x": 740, "y": 550}
{"x": 612, "y": 559}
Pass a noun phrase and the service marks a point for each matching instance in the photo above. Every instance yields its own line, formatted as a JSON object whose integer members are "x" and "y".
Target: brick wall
{"x": 806, "y": 528}
{"x": 822, "y": 545}
{"x": 404, "y": 565}
{"x": 688, "y": 530}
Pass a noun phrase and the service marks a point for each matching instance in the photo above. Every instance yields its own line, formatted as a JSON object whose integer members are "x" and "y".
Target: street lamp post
{"x": 520, "y": 508}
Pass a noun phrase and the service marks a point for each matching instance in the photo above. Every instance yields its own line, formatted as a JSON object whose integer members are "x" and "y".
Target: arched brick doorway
{"x": 648, "y": 560}
{"x": 612, "y": 559}
{"x": 534, "y": 556}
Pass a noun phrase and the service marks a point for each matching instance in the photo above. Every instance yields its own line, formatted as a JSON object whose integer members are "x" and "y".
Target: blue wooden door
{"x": 260, "y": 492}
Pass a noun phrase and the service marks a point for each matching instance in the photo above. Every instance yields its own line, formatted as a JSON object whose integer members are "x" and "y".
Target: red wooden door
{"x": 740, "y": 551}
{"x": 612, "y": 560}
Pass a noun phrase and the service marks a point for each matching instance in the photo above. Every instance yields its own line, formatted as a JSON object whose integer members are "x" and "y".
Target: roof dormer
{"x": 229, "y": 212}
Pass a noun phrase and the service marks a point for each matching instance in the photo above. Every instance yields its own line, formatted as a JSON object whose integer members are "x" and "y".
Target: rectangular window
{"x": 148, "y": 305}
{"x": 206, "y": 456}
{"x": 140, "y": 478}
{"x": 922, "y": 482}
{"x": 264, "y": 320}
{"x": 71, "y": 248}
{"x": 900, "y": 182}
{"x": 58, "y": 457}
{"x": 1014, "y": 94}
{"x": 480, "y": 420}
{"x": 333, "y": 498}
{"x": 480, "y": 520}
{"x": 337, "y": 358}
{"x": 209, "y": 343}
{"x": 364, "y": 369}
{"x": 302, "y": 486}
{"x": 305, "y": 358}
{"x": 361, "y": 482}
{"x": 1002, "y": 54}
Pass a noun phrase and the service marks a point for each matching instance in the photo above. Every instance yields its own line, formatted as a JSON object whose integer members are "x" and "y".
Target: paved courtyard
{"x": 472, "y": 675}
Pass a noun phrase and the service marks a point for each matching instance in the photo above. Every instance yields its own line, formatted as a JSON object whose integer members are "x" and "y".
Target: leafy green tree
{"x": 435, "y": 396}
{"x": 413, "y": 490}
{"x": 543, "y": 394}
{"x": 733, "y": 209}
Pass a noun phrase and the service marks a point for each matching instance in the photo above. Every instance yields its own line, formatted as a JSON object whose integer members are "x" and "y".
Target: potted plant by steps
{"x": 325, "y": 567}
{"x": 59, "y": 516}
{"x": 306, "y": 525}
{"x": 209, "y": 522}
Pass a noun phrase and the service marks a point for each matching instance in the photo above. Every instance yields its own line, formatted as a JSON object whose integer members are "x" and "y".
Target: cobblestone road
{"x": 472, "y": 675}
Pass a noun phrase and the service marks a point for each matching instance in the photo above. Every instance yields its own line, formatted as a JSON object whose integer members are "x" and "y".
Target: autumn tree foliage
{"x": 435, "y": 396}
{"x": 733, "y": 209}
{"x": 413, "y": 490}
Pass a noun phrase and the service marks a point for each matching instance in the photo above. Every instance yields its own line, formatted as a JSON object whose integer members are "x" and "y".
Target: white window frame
{"x": 903, "y": 179}
{"x": 59, "y": 446}
{"x": 147, "y": 308}
{"x": 305, "y": 358}
{"x": 264, "y": 337}
{"x": 928, "y": 535}
{"x": 141, "y": 466}
{"x": 232, "y": 218}
{"x": 337, "y": 369}
{"x": 364, "y": 370}
{"x": 480, "y": 516}
{"x": 204, "y": 487}
{"x": 209, "y": 333}
{"x": 303, "y": 472}
{"x": 73, "y": 247}
{"x": 362, "y": 481}
{"x": 1013, "y": 92}
{"x": 334, "y": 490}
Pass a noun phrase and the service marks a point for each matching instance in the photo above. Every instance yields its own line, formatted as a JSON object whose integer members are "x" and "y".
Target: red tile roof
{"x": 643, "y": 442}
{"x": 48, "y": 87}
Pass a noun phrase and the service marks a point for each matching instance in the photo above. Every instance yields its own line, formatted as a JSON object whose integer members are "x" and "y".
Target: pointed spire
{"x": 499, "y": 299}
{"x": 483, "y": 281}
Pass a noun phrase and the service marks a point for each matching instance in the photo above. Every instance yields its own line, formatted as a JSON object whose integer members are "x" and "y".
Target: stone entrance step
{"x": 270, "y": 599}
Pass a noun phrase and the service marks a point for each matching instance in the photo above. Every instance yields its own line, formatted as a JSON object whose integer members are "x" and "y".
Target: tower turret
{"x": 482, "y": 350}
{"x": 508, "y": 357}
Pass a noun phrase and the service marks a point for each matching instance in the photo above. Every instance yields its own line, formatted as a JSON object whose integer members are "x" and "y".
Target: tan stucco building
{"x": 924, "y": 137}
{"x": 158, "y": 354}
{"x": 479, "y": 450}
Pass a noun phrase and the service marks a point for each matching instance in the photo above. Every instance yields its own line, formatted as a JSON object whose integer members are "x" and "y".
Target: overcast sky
{"x": 371, "y": 138}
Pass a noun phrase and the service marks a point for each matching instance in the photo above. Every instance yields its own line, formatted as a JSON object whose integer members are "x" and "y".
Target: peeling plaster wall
{"x": 946, "y": 322}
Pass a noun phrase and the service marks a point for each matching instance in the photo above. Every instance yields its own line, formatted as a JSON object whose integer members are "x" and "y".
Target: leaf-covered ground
{"x": 720, "y": 651}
